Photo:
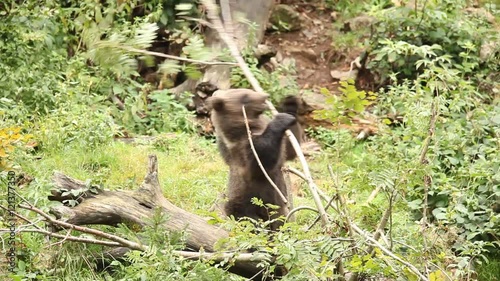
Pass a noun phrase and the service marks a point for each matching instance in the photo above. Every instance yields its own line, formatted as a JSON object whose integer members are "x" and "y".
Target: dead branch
{"x": 227, "y": 37}
{"x": 67, "y": 237}
{"x": 217, "y": 257}
{"x": 342, "y": 209}
{"x": 299, "y": 209}
{"x": 114, "y": 238}
{"x": 411, "y": 267}
{"x": 423, "y": 161}
{"x": 172, "y": 57}
{"x": 383, "y": 223}
{"x": 372, "y": 195}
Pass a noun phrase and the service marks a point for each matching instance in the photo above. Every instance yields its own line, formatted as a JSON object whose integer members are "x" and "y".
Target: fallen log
{"x": 99, "y": 206}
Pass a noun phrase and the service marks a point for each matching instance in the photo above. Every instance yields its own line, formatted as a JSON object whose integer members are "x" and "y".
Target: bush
{"x": 74, "y": 125}
{"x": 441, "y": 26}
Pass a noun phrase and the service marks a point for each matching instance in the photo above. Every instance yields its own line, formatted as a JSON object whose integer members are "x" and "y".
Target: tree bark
{"x": 254, "y": 11}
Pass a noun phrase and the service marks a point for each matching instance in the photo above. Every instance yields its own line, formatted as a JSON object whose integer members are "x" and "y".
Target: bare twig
{"x": 233, "y": 48}
{"x": 240, "y": 257}
{"x": 68, "y": 234}
{"x": 329, "y": 204}
{"x": 69, "y": 237}
{"x": 423, "y": 161}
{"x": 410, "y": 266}
{"x": 381, "y": 226}
{"x": 372, "y": 195}
{"x": 121, "y": 241}
{"x": 343, "y": 211}
{"x": 157, "y": 54}
{"x": 324, "y": 196}
{"x": 201, "y": 21}
{"x": 298, "y": 209}
{"x": 249, "y": 133}
{"x": 256, "y": 274}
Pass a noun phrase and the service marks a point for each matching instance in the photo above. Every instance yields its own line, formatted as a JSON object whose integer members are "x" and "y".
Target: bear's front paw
{"x": 285, "y": 119}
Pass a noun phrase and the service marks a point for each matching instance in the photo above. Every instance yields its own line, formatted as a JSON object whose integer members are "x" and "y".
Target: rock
{"x": 334, "y": 15}
{"x": 306, "y": 53}
{"x": 308, "y": 34}
{"x": 279, "y": 57}
{"x": 315, "y": 100}
{"x": 344, "y": 75}
{"x": 489, "y": 49}
{"x": 264, "y": 50}
{"x": 274, "y": 62}
{"x": 288, "y": 62}
{"x": 358, "y": 23}
{"x": 284, "y": 18}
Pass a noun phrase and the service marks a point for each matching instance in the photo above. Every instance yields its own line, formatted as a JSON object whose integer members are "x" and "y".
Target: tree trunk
{"x": 254, "y": 11}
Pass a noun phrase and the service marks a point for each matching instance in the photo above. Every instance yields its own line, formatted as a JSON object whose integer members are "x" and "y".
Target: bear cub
{"x": 246, "y": 179}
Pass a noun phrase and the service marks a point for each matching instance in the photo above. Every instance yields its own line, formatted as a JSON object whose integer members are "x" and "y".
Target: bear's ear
{"x": 215, "y": 103}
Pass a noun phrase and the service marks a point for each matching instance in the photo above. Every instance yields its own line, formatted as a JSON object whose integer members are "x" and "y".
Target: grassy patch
{"x": 190, "y": 169}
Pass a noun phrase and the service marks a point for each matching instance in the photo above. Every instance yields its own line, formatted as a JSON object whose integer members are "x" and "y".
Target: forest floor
{"x": 320, "y": 48}
{"x": 314, "y": 46}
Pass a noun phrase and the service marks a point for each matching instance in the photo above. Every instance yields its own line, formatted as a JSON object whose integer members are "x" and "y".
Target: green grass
{"x": 191, "y": 172}
{"x": 489, "y": 271}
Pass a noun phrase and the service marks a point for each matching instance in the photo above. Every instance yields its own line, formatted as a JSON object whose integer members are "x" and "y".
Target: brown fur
{"x": 246, "y": 179}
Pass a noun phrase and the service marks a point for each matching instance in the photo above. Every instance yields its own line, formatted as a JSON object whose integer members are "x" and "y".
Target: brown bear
{"x": 246, "y": 179}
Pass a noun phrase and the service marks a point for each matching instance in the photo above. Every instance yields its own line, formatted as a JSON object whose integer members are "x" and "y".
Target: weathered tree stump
{"x": 255, "y": 11}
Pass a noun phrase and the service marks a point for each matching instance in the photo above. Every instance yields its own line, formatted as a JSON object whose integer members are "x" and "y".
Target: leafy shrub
{"x": 339, "y": 139}
{"x": 32, "y": 57}
{"x": 306, "y": 255}
{"x": 431, "y": 67}
{"x": 348, "y": 104}
{"x": 440, "y": 23}
{"x": 75, "y": 125}
{"x": 462, "y": 155}
{"x": 160, "y": 262}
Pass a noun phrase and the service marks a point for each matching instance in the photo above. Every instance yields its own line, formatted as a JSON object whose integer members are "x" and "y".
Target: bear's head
{"x": 229, "y": 103}
{"x": 226, "y": 112}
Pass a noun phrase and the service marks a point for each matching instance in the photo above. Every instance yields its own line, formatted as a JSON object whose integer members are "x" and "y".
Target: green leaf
{"x": 496, "y": 119}
{"x": 170, "y": 67}
{"x": 324, "y": 91}
{"x": 415, "y": 204}
{"x": 164, "y": 18}
{"x": 439, "y": 213}
{"x": 98, "y": 14}
{"x": 392, "y": 57}
{"x": 453, "y": 161}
